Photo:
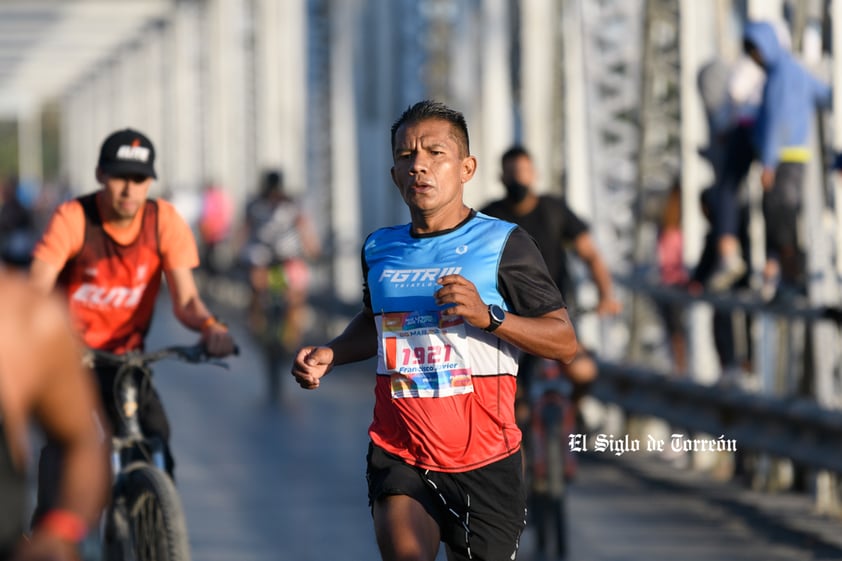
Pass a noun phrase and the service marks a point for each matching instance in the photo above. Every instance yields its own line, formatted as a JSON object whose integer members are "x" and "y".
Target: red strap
{"x": 64, "y": 524}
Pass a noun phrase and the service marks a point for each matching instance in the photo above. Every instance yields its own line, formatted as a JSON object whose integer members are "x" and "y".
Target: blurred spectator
{"x": 17, "y": 226}
{"x": 724, "y": 340}
{"x": 673, "y": 273}
{"x": 782, "y": 137}
{"x": 732, "y": 96}
{"x": 712, "y": 82}
{"x": 187, "y": 201}
{"x": 215, "y": 219}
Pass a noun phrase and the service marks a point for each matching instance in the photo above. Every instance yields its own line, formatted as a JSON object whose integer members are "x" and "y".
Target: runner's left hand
{"x": 463, "y": 299}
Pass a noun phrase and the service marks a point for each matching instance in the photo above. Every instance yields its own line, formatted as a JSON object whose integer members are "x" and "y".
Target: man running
{"x": 450, "y": 300}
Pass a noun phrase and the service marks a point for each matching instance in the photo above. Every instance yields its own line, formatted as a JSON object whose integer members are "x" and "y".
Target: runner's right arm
{"x": 357, "y": 342}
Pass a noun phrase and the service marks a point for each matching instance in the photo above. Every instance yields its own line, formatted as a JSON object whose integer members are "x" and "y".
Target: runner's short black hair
{"x": 428, "y": 110}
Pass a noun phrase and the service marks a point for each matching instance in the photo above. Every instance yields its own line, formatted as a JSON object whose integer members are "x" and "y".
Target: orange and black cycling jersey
{"x": 112, "y": 275}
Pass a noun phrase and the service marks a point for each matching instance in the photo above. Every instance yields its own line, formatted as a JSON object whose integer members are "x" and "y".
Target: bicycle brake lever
{"x": 194, "y": 354}
{"x": 221, "y": 363}
{"x": 198, "y": 354}
{"x": 218, "y": 362}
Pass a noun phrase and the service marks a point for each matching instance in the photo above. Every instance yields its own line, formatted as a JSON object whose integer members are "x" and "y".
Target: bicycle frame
{"x": 272, "y": 337}
{"x": 133, "y": 367}
{"x": 548, "y": 463}
{"x": 128, "y": 442}
{"x": 275, "y": 303}
{"x": 139, "y": 466}
{"x": 550, "y": 406}
{"x": 131, "y": 442}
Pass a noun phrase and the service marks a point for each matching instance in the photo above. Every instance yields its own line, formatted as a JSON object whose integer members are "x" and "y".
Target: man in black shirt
{"x": 555, "y": 228}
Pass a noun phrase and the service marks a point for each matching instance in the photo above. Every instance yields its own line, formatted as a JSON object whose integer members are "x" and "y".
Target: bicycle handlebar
{"x": 193, "y": 354}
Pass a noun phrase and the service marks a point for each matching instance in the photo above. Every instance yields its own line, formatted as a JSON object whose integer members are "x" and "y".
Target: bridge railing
{"x": 798, "y": 425}
{"x": 794, "y": 428}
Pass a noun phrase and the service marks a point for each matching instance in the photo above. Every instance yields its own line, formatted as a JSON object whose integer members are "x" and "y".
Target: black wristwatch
{"x": 496, "y": 315}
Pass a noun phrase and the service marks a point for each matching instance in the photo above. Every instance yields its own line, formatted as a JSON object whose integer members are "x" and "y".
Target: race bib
{"x": 426, "y": 354}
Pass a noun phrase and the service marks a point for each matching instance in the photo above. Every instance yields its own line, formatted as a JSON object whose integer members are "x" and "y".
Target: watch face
{"x": 497, "y": 313}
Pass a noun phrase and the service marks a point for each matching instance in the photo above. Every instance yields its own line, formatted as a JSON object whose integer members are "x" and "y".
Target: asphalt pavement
{"x": 265, "y": 482}
{"x": 286, "y": 482}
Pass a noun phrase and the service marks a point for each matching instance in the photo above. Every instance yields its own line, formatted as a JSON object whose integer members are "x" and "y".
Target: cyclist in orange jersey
{"x": 107, "y": 251}
{"x": 42, "y": 379}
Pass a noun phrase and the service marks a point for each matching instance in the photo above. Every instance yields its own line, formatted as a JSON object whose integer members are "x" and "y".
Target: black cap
{"x": 127, "y": 152}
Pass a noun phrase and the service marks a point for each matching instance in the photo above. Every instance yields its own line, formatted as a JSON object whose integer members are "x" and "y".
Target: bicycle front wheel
{"x": 548, "y": 496}
{"x": 274, "y": 353}
{"x": 156, "y": 523}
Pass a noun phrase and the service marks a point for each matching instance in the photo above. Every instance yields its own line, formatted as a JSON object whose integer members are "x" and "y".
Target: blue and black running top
{"x": 407, "y": 266}
{"x": 12, "y": 497}
{"x": 444, "y": 393}
{"x": 403, "y": 269}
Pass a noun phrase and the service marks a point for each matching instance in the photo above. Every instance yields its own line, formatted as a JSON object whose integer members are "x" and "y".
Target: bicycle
{"x": 549, "y": 466}
{"x": 272, "y": 333}
{"x": 278, "y": 327}
{"x": 145, "y": 520}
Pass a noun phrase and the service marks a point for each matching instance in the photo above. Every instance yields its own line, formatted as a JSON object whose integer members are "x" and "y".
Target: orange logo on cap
{"x": 136, "y": 142}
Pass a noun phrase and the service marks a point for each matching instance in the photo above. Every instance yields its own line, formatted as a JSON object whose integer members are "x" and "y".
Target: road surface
{"x": 263, "y": 483}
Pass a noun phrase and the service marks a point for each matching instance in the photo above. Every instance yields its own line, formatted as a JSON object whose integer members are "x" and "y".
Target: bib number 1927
{"x": 429, "y": 355}
{"x": 425, "y": 355}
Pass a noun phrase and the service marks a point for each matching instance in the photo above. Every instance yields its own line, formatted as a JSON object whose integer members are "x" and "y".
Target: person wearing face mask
{"x": 556, "y": 229}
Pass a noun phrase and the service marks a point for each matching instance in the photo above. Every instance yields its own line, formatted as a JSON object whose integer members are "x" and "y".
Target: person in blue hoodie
{"x": 782, "y": 141}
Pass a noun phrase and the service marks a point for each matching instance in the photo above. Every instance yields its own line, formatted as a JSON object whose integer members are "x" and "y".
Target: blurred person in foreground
{"x": 42, "y": 379}
{"x": 782, "y": 136}
{"x": 449, "y": 301}
{"x": 279, "y": 233}
{"x": 106, "y": 251}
